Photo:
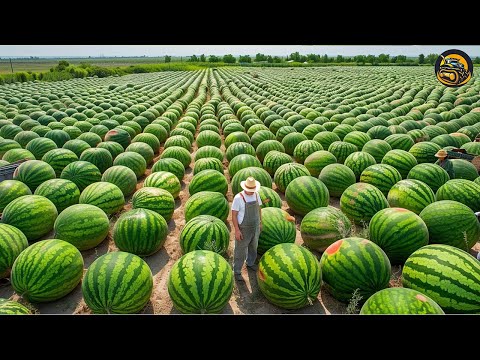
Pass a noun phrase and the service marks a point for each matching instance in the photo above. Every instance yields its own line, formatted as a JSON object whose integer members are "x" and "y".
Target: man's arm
{"x": 238, "y": 233}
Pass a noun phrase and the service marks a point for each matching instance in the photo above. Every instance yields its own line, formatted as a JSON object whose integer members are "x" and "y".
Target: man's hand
{"x": 238, "y": 235}
{"x": 261, "y": 227}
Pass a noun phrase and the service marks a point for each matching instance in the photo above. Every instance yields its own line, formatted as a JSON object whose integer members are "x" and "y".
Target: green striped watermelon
{"x": 290, "y": 141}
{"x": 155, "y": 199}
{"x": 117, "y": 283}
{"x": 205, "y": 232}
{"x": 62, "y": 193}
{"x": 123, "y": 177}
{"x": 33, "y": 215}
{"x": 142, "y": 149}
{"x": 289, "y": 276}
{"x": 237, "y": 149}
{"x": 278, "y": 227}
{"x": 359, "y": 161}
{"x": 60, "y": 137}
{"x": 337, "y": 177}
{"x": 104, "y": 195}
{"x": 267, "y": 146}
{"x": 132, "y": 160}
{"x": 164, "y": 180}
{"x": 449, "y": 276}
{"x": 288, "y": 172}
{"x": 382, "y": 176}
{"x": 354, "y": 265}
{"x": 40, "y": 146}
{"x": 357, "y": 138}
{"x": 431, "y": 174}
{"x": 208, "y": 180}
{"x": 10, "y": 190}
{"x": 99, "y": 157}
{"x": 323, "y": 226}
{"x": 82, "y": 173}
{"x": 361, "y": 201}
{"x": 235, "y": 137}
{"x": 306, "y": 193}
{"x": 400, "y": 301}
{"x": 211, "y": 151}
{"x": 120, "y": 136}
{"x": 425, "y": 151}
{"x": 84, "y": 226}
{"x": 400, "y": 141}
{"x": 451, "y": 223}
{"x": 259, "y": 174}
{"x": 112, "y": 147}
{"x": 260, "y": 136}
{"x": 58, "y": 159}
{"x": 477, "y": 180}
{"x": 316, "y": 161}
{"x": 399, "y": 232}
{"x": 413, "y": 195}
{"x": 304, "y": 149}
{"x": 201, "y": 281}
{"x": 401, "y": 160}
{"x": 77, "y": 146}
{"x": 178, "y": 140}
{"x": 179, "y": 153}
{"x": 12, "y": 243}
{"x": 461, "y": 190}
{"x": 6, "y": 144}
{"x": 341, "y": 150}
{"x": 47, "y": 271}
{"x": 377, "y": 148}
{"x": 274, "y": 159}
{"x": 207, "y": 203}
{"x": 464, "y": 169}
{"x": 170, "y": 165}
{"x": 208, "y": 138}
{"x": 140, "y": 231}
{"x": 14, "y": 155}
{"x": 209, "y": 163}
{"x": 242, "y": 161}
{"x": 33, "y": 172}
{"x": 269, "y": 197}
{"x": 92, "y": 139}
{"x": 9, "y": 307}
{"x": 24, "y": 137}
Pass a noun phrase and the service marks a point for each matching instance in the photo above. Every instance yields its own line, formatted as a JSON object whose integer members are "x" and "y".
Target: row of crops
{"x": 106, "y": 160}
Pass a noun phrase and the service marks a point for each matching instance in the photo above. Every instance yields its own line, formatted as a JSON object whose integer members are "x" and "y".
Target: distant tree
{"x": 370, "y": 59}
{"x": 62, "y": 65}
{"x": 203, "y": 58}
{"x": 313, "y": 58}
{"x": 213, "y": 58}
{"x": 277, "y": 59}
{"x": 229, "y": 59}
{"x": 401, "y": 58}
{"x": 477, "y": 60}
{"x": 260, "y": 57}
{"x": 168, "y": 59}
{"x": 244, "y": 59}
{"x": 295, "y": 56}
{"x": 302, "y": 58}
{"x": 421, "y": 59}
{"x": 270, "y": 59}
{"x": 340, "y": 59}
{"x": 359, "y": 59}
{"x": 383, "y": 58}
{"x": 431, "y": 58}
{"x": 193, "y": 58}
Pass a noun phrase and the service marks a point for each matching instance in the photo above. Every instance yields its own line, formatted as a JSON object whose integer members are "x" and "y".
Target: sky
{"x": 186, "y": 50}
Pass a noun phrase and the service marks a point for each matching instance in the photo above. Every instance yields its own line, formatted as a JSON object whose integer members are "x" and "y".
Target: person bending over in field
{"x": 445, "y": 163}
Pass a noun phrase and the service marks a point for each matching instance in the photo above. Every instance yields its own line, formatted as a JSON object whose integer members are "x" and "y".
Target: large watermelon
{"x": 123, "y": 177}
{"x": 451, "y": 223}
{"x": 205, "y": 232}
{"x": 58, "y": 159}
{"x": 361, "y": 201}
{"x": 62, "y": 193}
{"x": 410, "y": 194}
{"x": 288, "y": 172}
{"x": 449, "y": 276}
{"x": 12, "y": 243}
{"x": 40, "y": 146}
{"x": 306, "y": 193}
{"x": 207, "y": 203}
{"x": 47, "y": 271}
{"x": 99, "y": 157}
{"x": 208, "y": 180}
{"x": 10, "y": 190}
{"x": 269, "y": 197}
{"x": 400, "y": 301}
{"x": 156, "y": 199}
{"x": 82, "y": 173}
{"x": 401, "y": 160}
{"x": 278, "y": 227}
{"x": 289, "y": 276}
{"x": 10, "y": 307}
{"x": 382, "y": 176}
{"x": 274, "y": 159}
{"x": 304, "y": 149}
{"x": 117, "y": 283}
{"x": 425, "y": 151}
{"x": 359, "y": 161}
{"x": 341, "y": 150}
{"x": 84, "y": 226}
{"x": 354, "y": 265}
{"x": 323, "y": 226}
{"x": 316, "y": 161}
{"x": 132, "y": 160}
{"x": 242, "y": 161}
{"x": 464, "y": 191}
{"x": 377, "y": 148}
{"x": 464, "y": 169}
{"x": 179, "y": 153}
{"x": 201, "y": 281}
{"x": 33, "y": 172}
{"x": 431, "y": 174}
{"x": 170, "y": 165}
{"x": 104, "y": 195}
{"x": 337, "y": 178}
{"x": 236, "y": 149}
{"x": 164, "y": 180}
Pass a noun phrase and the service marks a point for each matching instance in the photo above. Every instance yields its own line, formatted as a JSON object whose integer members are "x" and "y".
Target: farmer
{"x": 247, "y": 221}
{"x": 445, "y": 163}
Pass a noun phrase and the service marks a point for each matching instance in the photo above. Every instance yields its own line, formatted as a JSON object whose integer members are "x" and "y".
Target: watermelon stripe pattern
{"x": 123, "y": 177}
{"x": 259, "y": 174}
{"x": 278, "y": 227}
{"x": 431, "y": 174}
{"x": 286, "y": 173}
{"x": 306, "y": 193}
{"x": 117, "y": 283}
{"x": 82, "y": 173}
{"x": 208, "y": 180}
{"x": 461, "y": 190}
{"x": 33, "y": 173}
{"x": 382, "y": 176}
{"x": 10, "y": 190}
{"x": 200, "y": 282}
{"x": 104, "y": 195}
{"x": 207, "y": 203}
{"x": 62, "y": 193}
{"x": 289, "y": 276}
{"x": 47, "y": 271}
{"x": 269, "y": 197}
{"x": 164, "y": 180}
{"x": 449, "y": 276}
{"x": 12, "y": 243}
{"x": 337, "y": 178}
{"x": 58, "y": 159}
{"x": 361, "y": 201}
{"x": 8, "y": 307}
{"x": 413, "y": 195}
{"x": 132, "y": 160}
{"x": 205, "y": 232}
{"x": 155, "y": 199}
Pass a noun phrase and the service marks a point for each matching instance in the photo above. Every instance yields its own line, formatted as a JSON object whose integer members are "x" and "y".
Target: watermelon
{"x": 24, "y": 137}
{"x": 260, "y": 136}
{"x": 178, "y": 140}
{"x": 399, "y": 232}
{"x": 33, "y": 172}
{"x": 207, "y": 203}
{"x": 278, "y": 227}
{"x": 291, "y": 140}
{"x": 82, "y": 225}
{"x": 283, "y": 131}
{"x": 400, "y": 141}
{"x": 60, "y": 137}
{"x": 92, "y": 139}
{"x": 99, "y": 157}
{"x": 105, "y": 195}
{"x": 431, "y": 174}
{"x": 323, "y": 226}
{"x": 186, "y": 133}
{"x": 359, "y": 161}
{"x": 164, "y": 180}
{"x": 201, "y": 281}
{"x": 377, "y": 148}
{"x": 14, "y": 155}
{"x": 451, "y": 223}
{"x": 289, "y": 276}
{"x": 382, "y": 176}
{"x": 237, "y": 149}
{"x": 6, "y": 144}
{"x": 274, "y": 159}
{"x": 425, "y": 151}
{"x": 208, "y": 138}
{"x": 361, "y": 201}
{"x": 288, "y": 172}
{"x": 140, "y": 231}
{"x": 341, "y": 150}
{"x": 400, "y": 301}
{"x": 208, "y": 164}
{"x": 205, "y": 232}
{"x": 354, "y": 265}
{"x": 73, "y": 132}
{"x": 12, "y": 243}
{"x": 235, "y": 137}
{"x": 449, "y": 276}
{"x": 269, "y": 198}
{"x": 306, "y": 193}
{"x": 77, "y": 146}
{"x": 33, "y": 215}
{"x": 132, "y": 160}
{"x": 10, "y": 190}
{"x": 211, "y": 151}
{"x": 357, "y": 138}
{"x": 62, "y": 193}
{"x": 120, "y": 136}
{"x": 210, "y": 180}
{"x": 410, "y": 194}
{"x": 179, "y": 153}
{"x": 464, "y": 191}
{"x": 171, "y": 165}
{"x": 464, "y": 169}
{"x": 47, "y": 271}
{"x": 9, "y": 307}
{"x": 304, "y": 149}
{"x": 58, "y": 159}
{"x": 316, "y": 161}
{"x": 117, "y": 283}
{"x": 155, "y": 199}
{"x": 82, "y": 173}
{"x": 113, "y": 148}
{"x": 259, "y": 174}
{"x": 267, "y": 146}
{"x": 337, "y": 177}
{"x": 142, "y": 149}
{"x": 242, "y": 161}
{"x": 123, "y": 177}
{"x": 401, "y": 160}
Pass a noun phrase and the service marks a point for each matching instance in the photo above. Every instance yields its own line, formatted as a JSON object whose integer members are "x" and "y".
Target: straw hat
{"x": 441, "y": 154}
{"x": 250, "y": 184}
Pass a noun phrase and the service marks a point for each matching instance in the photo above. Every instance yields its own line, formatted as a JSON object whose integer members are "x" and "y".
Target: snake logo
{"x": 454, "y": 68}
